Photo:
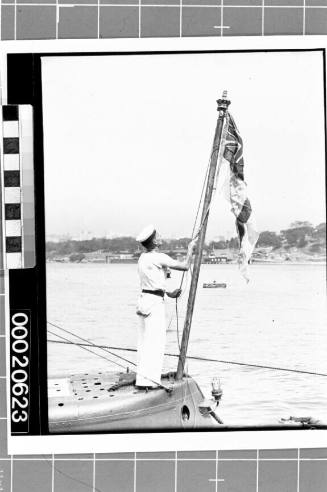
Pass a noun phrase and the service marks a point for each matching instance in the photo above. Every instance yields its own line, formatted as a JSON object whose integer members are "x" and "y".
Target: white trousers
{"x": 151, "y": 342}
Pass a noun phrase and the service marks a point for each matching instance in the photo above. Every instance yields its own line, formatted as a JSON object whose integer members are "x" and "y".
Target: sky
{"x": 127, "y": 140}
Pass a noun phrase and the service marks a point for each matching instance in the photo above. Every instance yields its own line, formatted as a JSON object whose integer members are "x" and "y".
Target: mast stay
{"x": 222, "y": 108}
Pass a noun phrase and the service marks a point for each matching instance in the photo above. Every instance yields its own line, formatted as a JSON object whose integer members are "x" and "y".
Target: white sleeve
{"x": 166, "y": 261}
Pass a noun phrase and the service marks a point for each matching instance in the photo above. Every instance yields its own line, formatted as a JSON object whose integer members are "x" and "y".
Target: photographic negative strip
{"x": 18, "y": 185}
{"x": 180, "y": 245}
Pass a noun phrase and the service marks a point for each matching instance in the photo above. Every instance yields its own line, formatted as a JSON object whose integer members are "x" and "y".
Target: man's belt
{"x": 157, "y": 292}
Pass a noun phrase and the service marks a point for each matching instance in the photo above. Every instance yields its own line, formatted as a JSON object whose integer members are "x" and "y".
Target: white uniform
{"x": 152, "y": 268}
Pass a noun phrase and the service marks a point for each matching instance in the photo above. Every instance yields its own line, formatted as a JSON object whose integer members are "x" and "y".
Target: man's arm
{"x": 180, "y": 265}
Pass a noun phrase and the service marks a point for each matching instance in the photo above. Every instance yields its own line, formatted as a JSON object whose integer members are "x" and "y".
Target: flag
{"x": 237, "y": 194}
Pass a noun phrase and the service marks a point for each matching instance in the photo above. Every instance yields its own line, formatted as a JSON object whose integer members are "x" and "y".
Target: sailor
{"x": 153, "y": 267}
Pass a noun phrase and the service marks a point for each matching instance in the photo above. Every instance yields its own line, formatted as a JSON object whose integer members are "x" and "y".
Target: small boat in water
{"x": 214, "y": 285}
{"x": 110, "y": 401}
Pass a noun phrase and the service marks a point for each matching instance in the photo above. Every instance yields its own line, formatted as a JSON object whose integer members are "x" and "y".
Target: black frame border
{"x": 27, "y": 287}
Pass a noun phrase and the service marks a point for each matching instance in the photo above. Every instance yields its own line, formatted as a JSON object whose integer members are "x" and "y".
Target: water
{"x": 279, "y": 319}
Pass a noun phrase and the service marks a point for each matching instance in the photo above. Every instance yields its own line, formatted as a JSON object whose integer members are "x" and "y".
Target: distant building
{"x": 218, "y": 256}
{"x": 122, "y": 258}
{"x": 84, "y": 236}
{"x": 97, "y": 257}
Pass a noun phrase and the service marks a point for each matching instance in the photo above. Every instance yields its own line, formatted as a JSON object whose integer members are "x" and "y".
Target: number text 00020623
{"x": 19, "y": 370}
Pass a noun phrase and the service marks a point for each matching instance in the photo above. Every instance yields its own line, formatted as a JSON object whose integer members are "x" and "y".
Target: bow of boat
{"x": 103, "y": 402}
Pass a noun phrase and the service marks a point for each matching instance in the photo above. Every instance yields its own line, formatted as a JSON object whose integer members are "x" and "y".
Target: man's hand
{"x": 174, "y": 294}
{"x": 192, "y": 245}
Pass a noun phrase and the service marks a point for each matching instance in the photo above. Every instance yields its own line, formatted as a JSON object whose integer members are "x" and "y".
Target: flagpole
{"x": 223, "y": 104}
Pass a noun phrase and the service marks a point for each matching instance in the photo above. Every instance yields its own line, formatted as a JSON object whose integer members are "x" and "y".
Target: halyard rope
{"x": 104, "y": 348}
{"x": 205, "y": 359}
{"x": 83, "y": 346}
{"x": 193, "y": 236}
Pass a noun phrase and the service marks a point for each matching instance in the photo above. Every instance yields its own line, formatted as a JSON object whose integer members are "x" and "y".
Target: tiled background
{"x": 290, "y": 470}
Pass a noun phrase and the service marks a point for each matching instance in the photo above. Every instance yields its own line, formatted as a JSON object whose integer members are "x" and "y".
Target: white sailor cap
{"x": 145, "y": 233}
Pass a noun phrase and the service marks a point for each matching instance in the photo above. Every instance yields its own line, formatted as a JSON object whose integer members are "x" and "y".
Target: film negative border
{"x": 17, "y": 186}
{"x": 96, "y": 19}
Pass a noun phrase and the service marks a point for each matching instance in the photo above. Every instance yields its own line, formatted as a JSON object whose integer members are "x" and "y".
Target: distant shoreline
{"x": 234, "y": 262}
{"x": 291, "y": 262}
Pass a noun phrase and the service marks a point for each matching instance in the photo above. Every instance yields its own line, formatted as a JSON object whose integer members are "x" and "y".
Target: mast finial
{"x": 223, "y": 103}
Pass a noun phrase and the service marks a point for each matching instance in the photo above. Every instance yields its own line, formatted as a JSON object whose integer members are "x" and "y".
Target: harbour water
{"x": 278, "y": 319}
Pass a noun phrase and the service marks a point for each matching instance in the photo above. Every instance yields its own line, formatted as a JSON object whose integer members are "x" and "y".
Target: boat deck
{"x": 110, "y": 401}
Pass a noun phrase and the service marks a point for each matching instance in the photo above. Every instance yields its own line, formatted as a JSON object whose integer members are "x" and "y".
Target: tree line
{"x": 299, "y": 234}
